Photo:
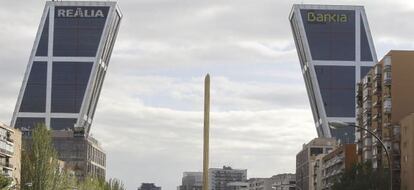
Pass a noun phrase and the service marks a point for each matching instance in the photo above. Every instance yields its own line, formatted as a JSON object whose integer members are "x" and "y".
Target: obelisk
{"x": 206, "y": 131}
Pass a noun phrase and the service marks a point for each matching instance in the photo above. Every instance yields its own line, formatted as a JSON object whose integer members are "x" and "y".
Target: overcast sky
{"x": 149, "y": 118}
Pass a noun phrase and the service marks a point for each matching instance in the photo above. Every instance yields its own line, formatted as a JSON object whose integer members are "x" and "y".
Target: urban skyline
{"x": 246, "y": 97}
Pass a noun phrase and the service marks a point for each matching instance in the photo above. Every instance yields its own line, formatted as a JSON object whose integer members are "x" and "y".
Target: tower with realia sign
{"x": 64, "y": 78}
{"x": 67, "y": 65}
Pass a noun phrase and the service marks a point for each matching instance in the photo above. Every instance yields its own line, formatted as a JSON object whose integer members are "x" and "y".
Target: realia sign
{"x": 80, "y": 12}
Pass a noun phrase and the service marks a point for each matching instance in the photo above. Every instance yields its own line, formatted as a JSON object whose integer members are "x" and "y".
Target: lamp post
{"x": 337, "y": 125}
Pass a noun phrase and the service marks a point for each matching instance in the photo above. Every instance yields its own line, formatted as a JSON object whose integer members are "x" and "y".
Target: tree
{"x": 40, "y": 166}
{"x": 362, "y": 176}
{"x": 91, "y": 183}
{"x": 115, "y": 184}
{"x": 41, "y": 169}
{"x": 4, "y": 181}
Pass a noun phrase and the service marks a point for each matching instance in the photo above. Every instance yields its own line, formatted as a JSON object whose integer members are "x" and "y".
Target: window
{"x": 78, "y": 36}
{"x": 34, "y": 97}
{"x": 337, "y": 86}
{"x": 43, "y": 45}
{"x": 28, "y": 122}
{"x": 316, "y": 151}
{"x": 365, "y": 49}
{"x": 62, "y": 123}
{"x": 68, "y": 85}
{"x": 330, "y": 39}
{"x": 364, "y": 71}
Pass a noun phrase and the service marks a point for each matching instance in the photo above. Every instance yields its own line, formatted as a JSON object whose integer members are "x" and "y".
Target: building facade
{"x": 220, "y": 177}
{"x": 335, "y": 51}
{"x": 10, "y": 154}
{"x": 336, "y": 163}
{"x": 407, "y": 152}
{"x": 192, "y": 181}
{"x": 305, "y": 160}
{"x": 260, "y": 184}
{"x": 84, "y": 156}
{"x": 284, "y": 182}
{"x": 67, "y": 65}
{"x": 64, "y": 78}
{"x": 149, "y": 186}
{"x": 384, "y": 98}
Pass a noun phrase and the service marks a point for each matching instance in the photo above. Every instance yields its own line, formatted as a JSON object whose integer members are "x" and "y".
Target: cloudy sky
{"x": 149, "y": 117}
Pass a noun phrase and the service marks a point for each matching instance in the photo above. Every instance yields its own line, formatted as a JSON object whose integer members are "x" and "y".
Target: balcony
{"x": 6, "y": 152}
{"x": 6, "y": 165}
{"x": 367, "y": 104}
{"x": 387, "y": 78}
{"x": 387, "y": 106}
{"x": 387, "y": 64}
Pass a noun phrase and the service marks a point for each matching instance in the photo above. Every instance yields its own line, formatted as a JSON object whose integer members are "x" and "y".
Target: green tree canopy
{"x": 362, "y": 176}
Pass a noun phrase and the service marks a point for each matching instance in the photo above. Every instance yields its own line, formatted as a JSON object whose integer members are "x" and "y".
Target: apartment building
{"x": 191, "y": 181}
{"x": 221, "y": 177}
{"x": 336, "y": 163}
{"x": 10, "y": 153}
{"x": 407, "y": 152}
{"x": 305, "y": 160}
{"x": 285, "y": 181}
{"x": 384, "y": 97}
{"x": 260, "y": 184}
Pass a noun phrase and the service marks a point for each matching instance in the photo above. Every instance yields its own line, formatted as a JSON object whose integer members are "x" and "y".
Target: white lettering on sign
{"x": 79, "y": 12}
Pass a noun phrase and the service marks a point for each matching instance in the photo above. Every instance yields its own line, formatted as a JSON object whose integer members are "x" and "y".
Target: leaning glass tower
{"x": 67, "y": 65}
{"x": 335, "y": 51}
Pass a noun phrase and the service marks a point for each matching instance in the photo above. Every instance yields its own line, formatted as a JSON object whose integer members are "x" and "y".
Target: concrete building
{"x": 220, "y": 177}
{"x": 238, "y": 185}
{"x": 336, "y": 163}
{"x": 10, "y": 153}
{"x": 306, "y": 158}
{"x": 84, "y": 156}
{"x": 65, "y": 74}
{"x": 149, "y": 186}
{"x": 407, "y": 152}
{"x": 385, "y": 97}
{"x": 192, "y": 181}
{"x": 335, "y": 51}
{"x": 317, "y": 174}
{"x": 284, "y": 182}
{"x": 260, "y": 184}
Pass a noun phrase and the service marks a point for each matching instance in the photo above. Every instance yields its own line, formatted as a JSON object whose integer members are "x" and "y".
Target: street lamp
{"x": 338, "y": 124}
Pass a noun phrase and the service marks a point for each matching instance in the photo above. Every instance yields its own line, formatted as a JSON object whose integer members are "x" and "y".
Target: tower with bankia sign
{"x": 67, "y": 65}
{"x": 64, "y": 78}
{"x": 335, "y": 51}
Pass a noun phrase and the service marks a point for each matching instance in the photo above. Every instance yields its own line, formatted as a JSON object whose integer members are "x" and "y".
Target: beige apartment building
{"x": 10, "y": 153}
{"x": 407, "y": 152}
{"x": 306, "y": 158}
{"x": 384, "y": 97}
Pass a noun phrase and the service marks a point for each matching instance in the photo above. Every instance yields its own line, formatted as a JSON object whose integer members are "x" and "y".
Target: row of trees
{"x": 41, "y": 170}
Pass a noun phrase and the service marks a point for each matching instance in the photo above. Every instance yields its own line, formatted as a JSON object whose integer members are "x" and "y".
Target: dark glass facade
{"x": 337, "y": 86}
{"x": 62, "y": 123}
{"x": 44, "y": 39}
{"x": 69, "y": 81}
{"x": 364, "y": 71}
{"x": 330, "y": 33}
{"x": 68, "y": 65}
{"x": 28, "y": 122}
{"x": 78, "y": 36}
{"x": 366, "y": 54}
{"x": 34, "y": 98}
